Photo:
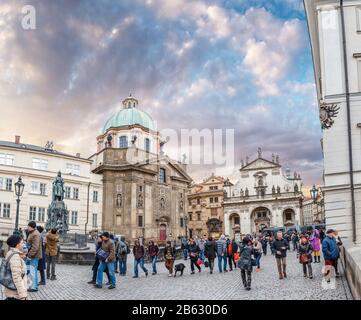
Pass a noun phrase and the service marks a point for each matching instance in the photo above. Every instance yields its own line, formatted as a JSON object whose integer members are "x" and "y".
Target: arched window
{"x": 123, "y": 142}
{"x": 147, "y": 144}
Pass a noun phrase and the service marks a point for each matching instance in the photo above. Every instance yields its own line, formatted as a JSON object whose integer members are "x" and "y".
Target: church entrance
{"x": 163, "y": 232}
{"x": 261, "y": 218}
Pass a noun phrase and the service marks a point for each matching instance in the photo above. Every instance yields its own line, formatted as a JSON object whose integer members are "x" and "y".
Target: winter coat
{"x": 35, "y": 243}
{"x": 245, "y": 259}
{"x": 193, "y": 251}
{"x": 153, "y": 250}
{"x": 138, "y": 251}
{"x": 201, "y": 243}
{"x": 315, "y": 240}
{"x": 169, "y": 253}
{"x": 280, "y": 246}
{"x": 305, "y": 248}
{"x": 221, "y": 247}
{"x": 210, "y": 249}
{"x": 257, "y": 248}
{"x": 18, "y": 272}
{"x": 330, "y": 249}
{"x": 51, "y": 247}
{"x": 109, "y": 246}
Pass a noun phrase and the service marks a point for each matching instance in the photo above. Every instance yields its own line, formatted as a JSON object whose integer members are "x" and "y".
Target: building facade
{"x": 144, "y": 191}
{"x": 262, "y": 197}
{"x": 205, "y": 208}
{"x": 335, "y": 34}
{"x": 38, "y": 166}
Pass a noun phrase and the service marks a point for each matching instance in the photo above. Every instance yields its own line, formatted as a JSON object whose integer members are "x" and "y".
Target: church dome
{"x": 130, "y": 115}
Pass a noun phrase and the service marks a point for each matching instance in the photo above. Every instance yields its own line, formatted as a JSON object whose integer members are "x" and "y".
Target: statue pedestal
{"x": 57, "y": 217}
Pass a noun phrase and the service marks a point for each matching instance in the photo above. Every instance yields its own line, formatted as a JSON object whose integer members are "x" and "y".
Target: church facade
{"x": 262, "y": 197}
{"x": 144, "y": 191}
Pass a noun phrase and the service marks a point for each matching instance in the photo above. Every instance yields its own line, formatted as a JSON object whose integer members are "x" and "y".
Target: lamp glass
{"x": 19, "y": 187}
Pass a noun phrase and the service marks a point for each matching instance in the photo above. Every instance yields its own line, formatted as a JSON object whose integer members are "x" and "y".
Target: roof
{"x": 130, "y": 116}
{"x": 31, "y": 147}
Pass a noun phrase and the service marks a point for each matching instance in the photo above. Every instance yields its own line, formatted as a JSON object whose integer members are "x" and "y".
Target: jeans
{"x": 41, "y": 270}
{"x": 211, "y": 264}
{"x": 224, "y": 258}
{"x": 33, "y": 266}
{"x": 102, "y": 266}
{"x": 246, "y": 277}
{"x": 185, "y": 254}
{"x": 295, "y": 246}
{"x": 264, "y": 249}
{"x": 50, "y": 265}
{"x": 231, "y": 263}
{"x": 95, "y": 270}
{"x": 154, "y": 264}
{"x": 116, "y": 262}
{"x": 123, "y": 264}
{"x": 258, "y": 260}
{"x": 141, "y": 263}
{"x": 201, "y": 255}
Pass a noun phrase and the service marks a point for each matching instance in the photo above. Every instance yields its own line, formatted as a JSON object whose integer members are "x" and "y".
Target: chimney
{"x": 17, "y": 139}
{"x": 78, "y": 155}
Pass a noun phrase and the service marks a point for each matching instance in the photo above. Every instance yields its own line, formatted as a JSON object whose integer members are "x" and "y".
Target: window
{"x": 140, "y": 221}
{"x": 216, "y": 199}
{"x": 147, "y": 144}
{"x": 74, "y": 217}
{"x": 41, "y": 214}
{"x": 358, "y": 13}
{"x": 9, "y": 184}
{"x": 95, "y": 196}
{"x": 198, "y": 216}
{"x": 43, "y": 189}
{"x": 40, "y": 164}
{"x": 67, "y": 192}
{"x": 123, "y": 142}
{"x": 6, "y": 210}
{"x": 6, "y": 159}
{"x": 162, "y": 177}
{"x": 213, "y": 188}
{"x": 190, "y": 202}
{"x": 236, "y": 220}
{"x": 190, "y": 217}
{"x": 32, "y": 214}
{"x": 76, "y": 193}
{"x": 182, "y": 222}
{"x": 38, "y": 188}
{"x": 95, "y": 220}
{"x": 211, "y": 200}
{"x": 73, "y": 169}
{"x": 198, "y": 201}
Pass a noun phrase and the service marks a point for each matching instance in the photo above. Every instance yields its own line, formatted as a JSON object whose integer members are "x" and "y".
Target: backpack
{"x": 123, "y": 248}
{"x": 6, "y": 278}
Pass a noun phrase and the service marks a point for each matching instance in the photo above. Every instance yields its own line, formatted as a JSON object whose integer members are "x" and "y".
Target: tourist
{"x": 201, "y": 243}
{"x": 139, "y": 252}
{"x": 169, "y": 257}
{"x": 279, "y": 249}
{"x": 193, "y": 255}
{"x": 222, "y": 253}
{"x": 98, "y": 244}
{"x": 322, "y": 235}
{"x": 106, "y": 255}
{"x": 245, "y": 262}
{"x": 295, "y": 240}
{"x": 42, "y": 261}
{"x": 339, "y": 244}
{"x": 257, "y": 252}
{"x": 184, "y": 248}
{"x": 232, "y": 247}
{"x": 15, "y": 258}
{"x": 210, "y": 250}
{"x": 264, "y": 242}
{"x": 316, "y": 245}
{"x": 305, "y": 255}
{"x": 51, "y": 251}
{"x": 34, "y": 254}
{"x": 116, "y": 261}
{"x": 123, "y": 251}
{"x": 235, "y": 250}
{"x": 330, "y": 252}
{"x": 270, "y": 242}
{"x": 153, "y": 251}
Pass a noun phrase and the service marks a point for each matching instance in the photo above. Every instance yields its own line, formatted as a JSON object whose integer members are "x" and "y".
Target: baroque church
{"x": 144, "y": 191}
{"x": 264, "y": 196}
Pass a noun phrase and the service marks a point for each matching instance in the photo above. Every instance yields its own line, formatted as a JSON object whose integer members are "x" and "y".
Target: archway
{"x": 162, "y": 232}
{"x": 260, "y": 219}
{"x": 289, "y": 217}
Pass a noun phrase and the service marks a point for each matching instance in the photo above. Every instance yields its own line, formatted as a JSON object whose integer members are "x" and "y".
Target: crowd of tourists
{"x": 36, "y": 252}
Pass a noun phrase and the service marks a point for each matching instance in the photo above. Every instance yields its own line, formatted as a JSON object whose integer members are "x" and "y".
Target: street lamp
{"x": 314, "y": 193}
{"x": 19, "y": 188}
{"x": 185, "y": 224}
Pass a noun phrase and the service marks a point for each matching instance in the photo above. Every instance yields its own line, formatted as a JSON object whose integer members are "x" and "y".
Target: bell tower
{"x": 130, "y": 102}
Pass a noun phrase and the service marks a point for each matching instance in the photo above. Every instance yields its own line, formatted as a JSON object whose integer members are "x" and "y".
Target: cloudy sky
{"x": 241, "y": 64}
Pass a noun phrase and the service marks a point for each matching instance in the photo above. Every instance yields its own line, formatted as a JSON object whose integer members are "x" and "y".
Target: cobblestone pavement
{"x": 72, "y": 284}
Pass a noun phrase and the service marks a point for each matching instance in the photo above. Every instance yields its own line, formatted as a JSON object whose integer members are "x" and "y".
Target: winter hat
{"x": 32, "y": 224}
{"x": 13, "y": 240}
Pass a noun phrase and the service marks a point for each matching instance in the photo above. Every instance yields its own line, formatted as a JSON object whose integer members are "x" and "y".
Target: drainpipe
{"x": 87, "y": 211}
{"x": 352, "y": 188}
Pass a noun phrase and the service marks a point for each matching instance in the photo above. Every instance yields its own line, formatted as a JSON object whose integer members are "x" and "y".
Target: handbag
{"x": 6, "y": 278}
{"x": 102, "y": 255}
{"x": 253, "y": 262}
{"x": 206, "y": 264}
{"x": 236, "y": 257}
{"x": 304, "y": 258}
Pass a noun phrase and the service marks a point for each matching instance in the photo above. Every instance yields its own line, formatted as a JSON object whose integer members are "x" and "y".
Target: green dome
{"x": 128, "y": 117}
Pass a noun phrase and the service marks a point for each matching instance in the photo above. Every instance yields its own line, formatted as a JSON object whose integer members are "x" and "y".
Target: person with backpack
{"x": 98, "y": 244}
{"x": 139, "y": 253}
{"x": 153, "y": 251}
{"x": 169, "y": 257}
{"x": 245, "y": 262}
{"x": 122, "y": 254}
{"x": 330, "y": 252}
{"x": 193, "y": 255}
{"x": 210, "y": 252}
{"x": 116, "y": 262}
{"x": 34, "y": 243}
{"x": 257, "y": 252}
{"x": 184, "y": 248}
{"x": 222, "y": 253}
{"x": 15, "y": 259}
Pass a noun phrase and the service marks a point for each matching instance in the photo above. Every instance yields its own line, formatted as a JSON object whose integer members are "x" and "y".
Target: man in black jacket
{"x": 210, "y": 251}
{"x": 279, "y": 248}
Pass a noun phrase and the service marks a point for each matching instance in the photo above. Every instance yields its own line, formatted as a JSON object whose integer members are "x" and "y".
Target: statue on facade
{"x": 259, "y": 152}
{"x": 296, "y": 188}
{"x": 273, "y": 190}
{"x": 246, "y": 192}
{"x": 278, "y": 189}
{"x": 58, "y": 188}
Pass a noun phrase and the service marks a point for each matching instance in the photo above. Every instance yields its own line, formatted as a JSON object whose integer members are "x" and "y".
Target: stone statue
{"x": 109, "y": 140}
{"x": 273, "y": 190}
{"x": 296, "y": 187}
{"x": 278, "y": 189}
{"x": 259, "y": 152}
{"x": 246, "y": 193}
{"x": 58, "y": 188}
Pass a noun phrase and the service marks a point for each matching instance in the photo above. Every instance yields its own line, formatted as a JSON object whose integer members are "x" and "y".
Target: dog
{"x": 179, "y": 267}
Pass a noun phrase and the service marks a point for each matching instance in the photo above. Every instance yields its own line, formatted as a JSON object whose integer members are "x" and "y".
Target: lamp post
{"x": 314, "y": 193}
{"x": 19, "y": 188}
{"x": 185, "y": 224}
